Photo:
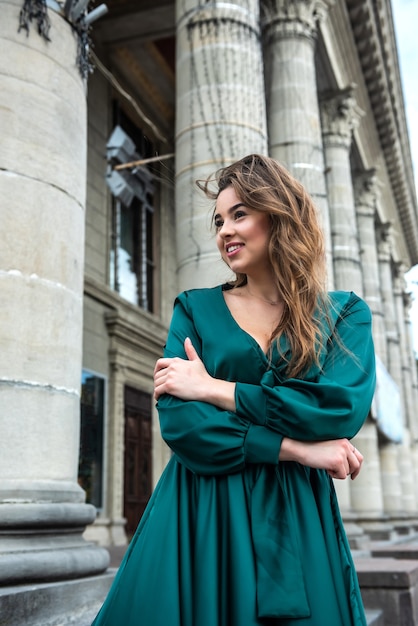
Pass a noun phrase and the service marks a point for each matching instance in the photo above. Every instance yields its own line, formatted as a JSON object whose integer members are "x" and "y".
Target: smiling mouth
{"x": 231, "y": 249}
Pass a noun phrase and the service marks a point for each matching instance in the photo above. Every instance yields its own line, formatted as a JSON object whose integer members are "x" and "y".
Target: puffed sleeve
{"x": 206, "y": 439}
{"x": 336, "y": 403}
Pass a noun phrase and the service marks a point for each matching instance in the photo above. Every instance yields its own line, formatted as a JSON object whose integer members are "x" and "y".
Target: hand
{"x": 338, "y": 457}
{"x": 186, "y": 379}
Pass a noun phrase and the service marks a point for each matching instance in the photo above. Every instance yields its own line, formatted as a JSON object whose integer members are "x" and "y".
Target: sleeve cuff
{"x": 251, "y": 403}
{"x": 262, "y": 445}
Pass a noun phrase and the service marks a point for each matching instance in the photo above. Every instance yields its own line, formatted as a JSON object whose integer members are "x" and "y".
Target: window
{"x": 90, "y": 469}
{"x": 133, "y": 189}
{"x": 131, "y": 255}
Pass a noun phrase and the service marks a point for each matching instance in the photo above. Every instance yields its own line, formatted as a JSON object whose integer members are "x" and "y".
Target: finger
{"x": 356, "y": 472}
{"x": 160, "y": 365}
{"x": 190, "y": 350}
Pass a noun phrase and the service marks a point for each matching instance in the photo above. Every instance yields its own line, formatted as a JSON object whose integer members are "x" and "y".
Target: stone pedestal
{"x": 43, "y": 182}
{"x": 390, "y": 585}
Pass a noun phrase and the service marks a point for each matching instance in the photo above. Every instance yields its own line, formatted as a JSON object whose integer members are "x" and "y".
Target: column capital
{"x": 293, "y": 18}
{"x": 366, "y": 192}
{"x": 384, "y": 241}
{"x": 399, "y": 281}
{"x": 407, "y": 302}
{"x": 340, "y": 115}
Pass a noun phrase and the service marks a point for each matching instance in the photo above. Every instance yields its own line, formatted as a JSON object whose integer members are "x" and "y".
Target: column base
{"x": 107, "y": 532}
{"x": 43, "y": 542}
{"x": 69, "y": 603}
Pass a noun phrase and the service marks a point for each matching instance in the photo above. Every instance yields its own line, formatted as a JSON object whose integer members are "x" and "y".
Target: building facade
{"x": 115, "y": 227}
{"x": 314, "y": 84}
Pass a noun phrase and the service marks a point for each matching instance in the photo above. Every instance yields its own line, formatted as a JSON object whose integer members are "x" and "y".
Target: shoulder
{"x": 347, "y": 304}
{"x": 195, "y": 298}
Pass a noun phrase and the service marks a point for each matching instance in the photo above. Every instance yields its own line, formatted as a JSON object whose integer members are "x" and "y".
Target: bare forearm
{"x": 221, "y": 393}
{"x": 338, "y": 457}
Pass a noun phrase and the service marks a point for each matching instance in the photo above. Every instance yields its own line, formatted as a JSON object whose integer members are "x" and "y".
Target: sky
{"x": 405, "y": 16}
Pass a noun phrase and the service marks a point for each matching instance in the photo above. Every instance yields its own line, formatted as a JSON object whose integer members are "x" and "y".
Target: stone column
{"x": 406, "y": 469}
{"x": 339, "y": 116}
{"x": 391, "y": 480}
{"x": 367, "y": 496}
{"x": 220, "y": 118}
{"x": 412, "y": 367}
{"x": 366, "y": 190}
{"x": 294, "y": 128}
{"x": 43, "y": 182}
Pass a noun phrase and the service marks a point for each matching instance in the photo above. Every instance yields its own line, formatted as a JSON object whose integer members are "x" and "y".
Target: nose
{"x": 226, "y": 229}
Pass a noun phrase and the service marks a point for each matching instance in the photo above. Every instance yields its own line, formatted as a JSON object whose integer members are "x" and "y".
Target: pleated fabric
{"x": 230, "y": 536}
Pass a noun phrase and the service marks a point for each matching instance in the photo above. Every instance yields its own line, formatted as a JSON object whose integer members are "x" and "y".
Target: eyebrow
{"x": 230, "y": 210}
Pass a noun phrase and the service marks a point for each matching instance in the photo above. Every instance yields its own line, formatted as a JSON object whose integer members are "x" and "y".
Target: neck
{"x": 266, "y": 293}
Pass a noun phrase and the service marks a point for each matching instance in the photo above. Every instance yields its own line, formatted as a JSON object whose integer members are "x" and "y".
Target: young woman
{"x": 263, "y": 383}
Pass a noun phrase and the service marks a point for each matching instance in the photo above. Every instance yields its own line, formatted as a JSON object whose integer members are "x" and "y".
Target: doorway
{"x": 138, "y": 468}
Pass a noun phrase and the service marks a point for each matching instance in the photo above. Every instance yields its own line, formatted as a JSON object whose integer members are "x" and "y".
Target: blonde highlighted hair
{"x": 296, "y": 249}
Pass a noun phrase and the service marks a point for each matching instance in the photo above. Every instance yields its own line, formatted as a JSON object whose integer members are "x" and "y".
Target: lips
{"x": 232, "y": 248}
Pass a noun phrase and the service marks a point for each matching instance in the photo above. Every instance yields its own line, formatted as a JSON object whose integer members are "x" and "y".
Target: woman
{"x": 263, "y": 383}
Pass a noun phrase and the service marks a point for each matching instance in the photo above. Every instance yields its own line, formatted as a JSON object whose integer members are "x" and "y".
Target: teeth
{"x": 232, "y": 248}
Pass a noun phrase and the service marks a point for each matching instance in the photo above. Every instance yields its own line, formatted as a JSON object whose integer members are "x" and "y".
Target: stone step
{"x": 397, "y": 551}
{"x": 391, "y": 586}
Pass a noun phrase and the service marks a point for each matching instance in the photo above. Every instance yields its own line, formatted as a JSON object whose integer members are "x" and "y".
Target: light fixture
{"x": 75, "y": 11}
{"x": 126, "y": 184}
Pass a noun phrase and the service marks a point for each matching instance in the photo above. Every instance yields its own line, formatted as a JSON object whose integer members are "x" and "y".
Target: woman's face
{"x": 242, "y": 235}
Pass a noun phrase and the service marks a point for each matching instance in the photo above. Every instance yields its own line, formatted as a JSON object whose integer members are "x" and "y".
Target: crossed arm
{"x": 213, "y": 425}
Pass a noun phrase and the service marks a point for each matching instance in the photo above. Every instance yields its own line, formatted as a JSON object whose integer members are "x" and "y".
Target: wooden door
{"x": 137, "y": 475}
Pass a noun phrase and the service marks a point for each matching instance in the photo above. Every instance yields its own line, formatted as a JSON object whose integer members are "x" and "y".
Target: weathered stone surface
{"x": 73, "y": 603}
{"x": 390, "y": 585}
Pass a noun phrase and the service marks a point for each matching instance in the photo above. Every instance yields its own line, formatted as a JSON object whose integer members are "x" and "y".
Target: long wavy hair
{"x": 296, "y": 250}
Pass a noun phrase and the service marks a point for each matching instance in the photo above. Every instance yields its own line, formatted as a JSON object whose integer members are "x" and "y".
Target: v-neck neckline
{"x": 253, "y": 340}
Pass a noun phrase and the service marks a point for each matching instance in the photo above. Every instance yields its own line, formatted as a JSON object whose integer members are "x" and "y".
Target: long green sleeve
{"x": 206, "y": 439}
{"x": 335, "y": 403}
{"x": 329, "y": 403}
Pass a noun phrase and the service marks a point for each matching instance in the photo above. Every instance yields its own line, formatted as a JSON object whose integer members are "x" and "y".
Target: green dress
{"x": 231, "y": 536}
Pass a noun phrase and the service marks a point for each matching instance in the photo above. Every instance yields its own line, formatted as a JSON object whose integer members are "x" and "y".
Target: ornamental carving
{"x": 384, "y": 241}
{"x": 340, "y": 116}
{"x": 293, "y": 18}
{"x": 366, "y": 191}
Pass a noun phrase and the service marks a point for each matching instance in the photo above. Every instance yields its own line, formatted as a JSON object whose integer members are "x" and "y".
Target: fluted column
{"x": 294, "y": 128}
{"x": 340, "y": 115}
{"x": 43, "y": 183}
{"x": 367, "y": 496}
{"x": 366, "y": 190}
{"x": 391, "y": 479}
{"x": 409, "y": 489}
{"x": 220, "y": 117}
{"x": 412, "y": 367}
{"x": 412, "y": 391}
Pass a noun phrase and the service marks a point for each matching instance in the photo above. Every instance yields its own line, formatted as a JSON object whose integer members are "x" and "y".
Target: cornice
{"x": 373, "y": 30}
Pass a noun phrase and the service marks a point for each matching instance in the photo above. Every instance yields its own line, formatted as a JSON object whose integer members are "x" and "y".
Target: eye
{"x": 218, "y": 222}
{"x": 239, "y": 213}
